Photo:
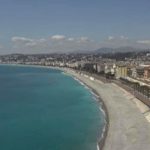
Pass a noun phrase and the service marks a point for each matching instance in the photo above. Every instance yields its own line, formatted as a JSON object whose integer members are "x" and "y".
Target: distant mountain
{"x": 120, "y": 49}
{"x": 104, "y": 50}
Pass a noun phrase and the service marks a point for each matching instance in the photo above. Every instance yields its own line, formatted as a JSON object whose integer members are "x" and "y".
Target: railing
{"x": 144, "y": 98}
{"x": 122, "y": 83}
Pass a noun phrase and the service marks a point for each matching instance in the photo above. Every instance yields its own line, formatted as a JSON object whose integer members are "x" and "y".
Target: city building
{"x": 140, "y": 72}
{"x": 121, "y": 71}
{"x": 146, "y": 72}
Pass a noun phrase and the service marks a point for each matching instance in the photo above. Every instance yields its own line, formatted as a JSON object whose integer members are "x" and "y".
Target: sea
{"x": 45, "y": 109}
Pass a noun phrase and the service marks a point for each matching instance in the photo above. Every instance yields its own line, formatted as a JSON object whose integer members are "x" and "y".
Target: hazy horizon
{"x": 53, "y": 26}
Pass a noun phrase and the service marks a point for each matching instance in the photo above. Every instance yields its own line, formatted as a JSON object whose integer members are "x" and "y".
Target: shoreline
{"x": 103, "y": 108}
{"x": 34, "y": 66}
{"x": 127, "y": 128}
{"x": 101, "y": 103}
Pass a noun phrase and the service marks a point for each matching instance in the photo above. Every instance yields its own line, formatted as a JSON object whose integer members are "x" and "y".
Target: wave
{"x": 101, "y": 108}
{"x": 98, "y": 147}
{"x": 97, "y": 98}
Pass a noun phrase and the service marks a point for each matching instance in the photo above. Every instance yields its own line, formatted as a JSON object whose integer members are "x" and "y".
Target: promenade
{"x": 128, "y": 129}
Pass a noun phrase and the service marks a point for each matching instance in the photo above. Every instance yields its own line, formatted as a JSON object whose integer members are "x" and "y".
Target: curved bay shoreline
{"x": 127, "y": 128}
{"x": 102, "y": 106}
{"x": 101, "y": 141}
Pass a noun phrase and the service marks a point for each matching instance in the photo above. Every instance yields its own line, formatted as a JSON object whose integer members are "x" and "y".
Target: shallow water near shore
{"x": 43, "y": 109}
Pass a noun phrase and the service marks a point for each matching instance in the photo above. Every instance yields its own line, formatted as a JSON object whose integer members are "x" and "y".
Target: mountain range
{"x": 120, "y": 49}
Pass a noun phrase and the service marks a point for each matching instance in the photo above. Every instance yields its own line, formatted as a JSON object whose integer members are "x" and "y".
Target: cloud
{"x": 21, "y": 40}
{"x": 31, "y": 44}
{"x": 58, "y": 37}
{"x": 56, "y": 43}
{"x": 83, "y": 40}
{"x": 111, "y": 38}
{"x": 70, "y": 39}
{"x": 123, "y": 37}
{"x": 62, "y": 43}
{"x": 143, "y": 41}
{"x": 115, "y": 41}
{"x": 26, "y": 42}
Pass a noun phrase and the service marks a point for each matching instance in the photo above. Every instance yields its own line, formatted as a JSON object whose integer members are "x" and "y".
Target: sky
{"x": 45, "y": 26}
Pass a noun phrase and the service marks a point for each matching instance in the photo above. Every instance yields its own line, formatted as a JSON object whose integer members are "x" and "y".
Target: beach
{"x": 126, "y": 125}
{"x": 127, "y": 128}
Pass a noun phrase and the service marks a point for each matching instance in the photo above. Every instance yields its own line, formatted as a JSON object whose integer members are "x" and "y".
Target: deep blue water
{"x": 43, "y": 109}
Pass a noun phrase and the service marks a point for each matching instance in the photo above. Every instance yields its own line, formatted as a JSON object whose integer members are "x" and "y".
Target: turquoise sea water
{"x": 43, "y": 109}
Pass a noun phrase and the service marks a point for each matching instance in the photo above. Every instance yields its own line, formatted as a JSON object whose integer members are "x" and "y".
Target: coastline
{"x": 127, "y": 128}
{"x": 103, "y": 108}
{"x": 35, "y": 66}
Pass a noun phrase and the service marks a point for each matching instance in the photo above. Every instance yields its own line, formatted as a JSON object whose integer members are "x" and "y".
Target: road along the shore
{"x": 128, "y": 129}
